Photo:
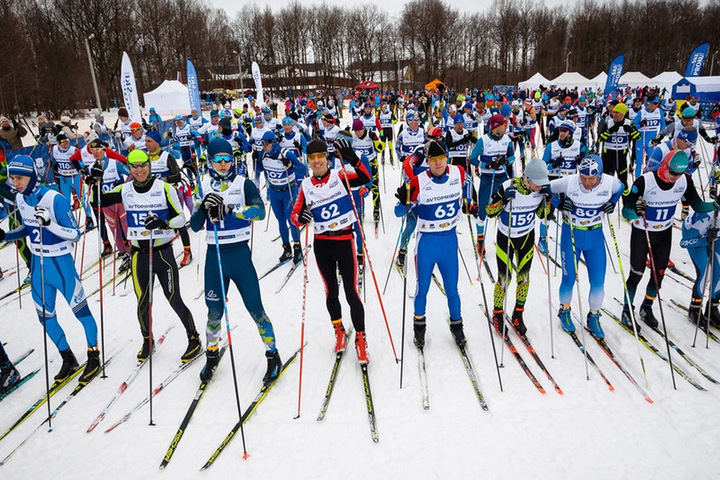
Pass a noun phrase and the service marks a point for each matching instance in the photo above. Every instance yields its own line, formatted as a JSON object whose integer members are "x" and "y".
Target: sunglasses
{"x": 674, "y": 174}
{"x": 222, "y": 159}
{"x": 139, "y": 165}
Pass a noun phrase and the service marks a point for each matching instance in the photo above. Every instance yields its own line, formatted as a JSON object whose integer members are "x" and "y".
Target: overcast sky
{"x": 393, "y": 7}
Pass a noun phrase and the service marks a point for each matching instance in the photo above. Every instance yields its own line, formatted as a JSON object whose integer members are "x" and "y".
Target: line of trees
{"x": 45, "y": 66}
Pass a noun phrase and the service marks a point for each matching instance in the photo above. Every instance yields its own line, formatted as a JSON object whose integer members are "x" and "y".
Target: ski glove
{"x": 153, "y": 222}
{"x": 641, "y": 206}
{"x": 711, "y": 233}
{"x": 470, "y": 208}
{"x": 557, "y": 163}
{"x": 305, "y": 215}
{"x": 2, "y": 234}
{"x": 347, "y": 153}
{"x": 615, "y": 128}
{"x": 402, "y": 193}
{"x": 43, "y": 215}
{"x": 608, "y": 207}
{"x": 567, "y": 205}
{"x": 96, "y": 171}
{"x": 509, "y": 193}
{"x": 214, "y": 206}
{"x": 655, "y": 142}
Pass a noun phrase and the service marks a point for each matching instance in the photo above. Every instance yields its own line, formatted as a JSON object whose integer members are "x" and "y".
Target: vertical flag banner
{"x": 193, "y": 87}
{"x": 615, "y": 71}
{"x": 696, "y": 60}
{"x": 129, "y": 89}
{"x": 258, "y": 84}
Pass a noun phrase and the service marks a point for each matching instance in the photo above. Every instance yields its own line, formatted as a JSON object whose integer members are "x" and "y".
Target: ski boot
{"x": 193, "y": 348}
{"x": 361, "y": 348}
{"x": 565, "y": 319}
{"x": 187, "y": 257}
{"x": 400, "y": 260}
{"x": 542, "y": 246}
{"x": 287, "y": 253}
{"x": 480, "y": 244}
{"x": 212, "y": 358}
{"x": 714, "y": 314}
{"x": 340, "y": 337}
{"x": 593, "y": 324}
{"x": 498, "y": 321}
{"x": 626, "y": 318}
{"x": 694, "y": 312}
{"x": 145, "y": 350}
{"x": 274, "y": 365}
{"x": 297, "y": 253}
{"x": 419, "y": 331}
{"x": 647, "y": 316}
{"x": 107, "y": 250}
{"x": 89, "y": 224}
{"x": 517, "y": 321}
{"x": 124, "y": 262}
{"x": 92, "y": 367}
{"x": 9, "y": 377}
{"x": 456, "y": 328}
{"x": 685, "y": 212}
{"x": 69, "y": 365}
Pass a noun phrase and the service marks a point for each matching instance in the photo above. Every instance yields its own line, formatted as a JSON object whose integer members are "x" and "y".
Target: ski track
{"x": 589, "y": 432}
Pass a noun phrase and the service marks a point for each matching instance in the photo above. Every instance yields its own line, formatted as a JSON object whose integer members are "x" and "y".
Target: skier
{"x": 493, "y": 152}
{"x": 229, "y": 202}
{"x": 324, "y": 199}
{"x": 68, "y": 177}
{"x": 650, "y": 206}
{"x": 183, "y": 139}
{"x": 698, "y": 233}
{"x": 136, "y": 139}
{"x": 458, "y": 141}
{"x": 387, "y": 121}
{"x": 585, "y": 198}
{"x": 282, "y": 167}
{"x": 366, "y": 141}
{"x": 517, "y": 202}
{"x": 649, "y": 122}
{"x": 437, "y": 194}
{"x": 153, "y": 210}
{"x": 48, "y": 222}
{"x": 616, "y": 134}
{"x": 9, "y": 375}
{"x": 291, "y": 138}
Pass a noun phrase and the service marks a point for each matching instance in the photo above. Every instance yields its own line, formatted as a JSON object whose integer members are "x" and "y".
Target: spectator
{"x": 68, "y": 128}
{"x": 12, "y": 133}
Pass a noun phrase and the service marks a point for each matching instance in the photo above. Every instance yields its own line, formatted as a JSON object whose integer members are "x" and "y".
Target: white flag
{"x": 258, "y": 84}
{"x": 129, "y": 89}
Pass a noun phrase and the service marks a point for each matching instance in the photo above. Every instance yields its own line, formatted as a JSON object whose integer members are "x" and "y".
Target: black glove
{"x": 2, "y": 234}
{"x": 305, "y": 215}
{"x": 402, "y": 193}
{"x": 627, "y": 128}
{"x": 97, "y": 171}
{"x": 153, "y": 222}
{"x": 641, "y": 206}
{"x": 714, "y": 140}
{"x": 608, "y": 207}
{"x": 643, "y": 123}
{"x": 470, "y": 208}
{"x": 557, "y": 163}
{"x": 287, "y": 163}
{"x": 501, "y": 160}
{"x": 655, "y": 141}
{"x": 711, "y": 233}
{"x": 468, "y": 137}
{"x": 615, "y": 128}
{"x": 567, "y": 204}
{"x": 347, "y": 153}
{"x": 509, "y": 193}
{"x": 213, "y": 205}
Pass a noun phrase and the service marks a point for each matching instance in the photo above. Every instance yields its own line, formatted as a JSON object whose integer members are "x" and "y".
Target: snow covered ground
{"x": 589, "y": 432}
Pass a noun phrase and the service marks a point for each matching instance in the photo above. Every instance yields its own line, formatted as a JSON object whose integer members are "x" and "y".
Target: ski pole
{"x": 404, "y": 313}
{"x": 17, "y": 258}
{"x": 304, "y": 305}
{"x": 659, "y": 299}
{"x": 508, "y": 256}
{"x": 100, "y": 281}
{"x": 708, "y": 271}
{"x": 627, "y": 297}
{"x": 229, "y": 336}
{"x": 44, "y": 322}
{"x": 367, "y": 253}
{"x": 547, "y": 261}
{"x": 392, "y": 260}
{"x": 151, "y": 284}
{"x": 577, "y": 280}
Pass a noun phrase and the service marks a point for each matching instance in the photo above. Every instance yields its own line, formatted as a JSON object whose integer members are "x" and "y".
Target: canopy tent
{"x": 598, "y": 82}
{"x": 665, "y": 80}
{"x": 634, "y": 79}
{"x": 570, "y": 80}
{"x": 434, "y": 84}
{"x": 534, "y": 82}
{"x": 169, "y": 98}
{"x": 707, "y": 89}
{"x": 367, "y": 85}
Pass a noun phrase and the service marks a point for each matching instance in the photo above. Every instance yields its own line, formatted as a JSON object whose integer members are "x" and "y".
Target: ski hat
{"x": 567, "y": 125}
{"x": 564, "y": 107}
{"x": 358, "y": 125}
{"x": 135, "y": 126}
{"x": 23, "y": 165}
{"x": 458, "y": 119}
{"x": 689, "y": 135}
{"x": 64, "y": 119}
{"x": 214, "y": 113}
{"x": 259, "y": 119}
{"x": 468, "y": 105}
{"x": 218, "y": 146}
{"x": 536, "y": 172}
{"x": 582, "y": 99}
{"x": 676, "y": 161}
{"x": 620, "y": 108}
{"x": 269, "y": 136}
{"x": 287, "y": 121}
{"x": 152, "y": 110}
{"x": 328, "y": 117}
{"x": 137, "y": 156}
{"x": 688, "y": 112}
{"x": 410, "y": 116}
{"x": 538, "y": 95}
{"x": 178, "y": 117}
{"x": 225, "y": 124}
{"x": 154, "y": 135}
{"x": 60, "y": 137}
{"x": 590, "y": 166}
{"x": 496, "y": 121}
{"x": 434, "y": 132}
{"x": 435, "y": 149}
{"x": 505, "y": 110}
{"x": 97, "y": 143}
{"x": 316, "y": 146}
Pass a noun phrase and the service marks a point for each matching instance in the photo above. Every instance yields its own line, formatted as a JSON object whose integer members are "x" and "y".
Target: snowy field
{"x": 588, "y": 432}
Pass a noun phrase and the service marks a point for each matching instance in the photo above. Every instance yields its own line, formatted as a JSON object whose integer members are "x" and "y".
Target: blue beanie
{"x": 505, "y": 110}
{"x": 458, "y": 119}
{"x": 219, "y": 146}
{"x": 287, "y": 121}
{"x": 155, "y": 136}
{"x": 690, "y": 135}
{"x": 23, "y": 165}
{"x": 591, "y": 165}
{"x": 269, "y": 136}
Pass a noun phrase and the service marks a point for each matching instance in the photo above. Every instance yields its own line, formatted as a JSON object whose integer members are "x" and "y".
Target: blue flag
{"x": 193, "y": 87}
{"x": 614, "y": 73}
{"x": 696, "y": 60}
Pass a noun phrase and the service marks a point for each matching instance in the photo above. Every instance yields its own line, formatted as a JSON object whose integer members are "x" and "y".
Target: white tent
{"x": 534, "y": 82}
{"x": 634, "y": 79}
{"x": 665, "y": 80}
{"x": 571, "y": 80}
{"x": 598, "y": 82}
{"x": 169, "y": 98}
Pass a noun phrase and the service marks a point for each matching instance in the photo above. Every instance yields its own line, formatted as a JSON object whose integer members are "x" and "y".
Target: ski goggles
{"x": 139, "y": 165}
{"x": 222, "y": 159}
